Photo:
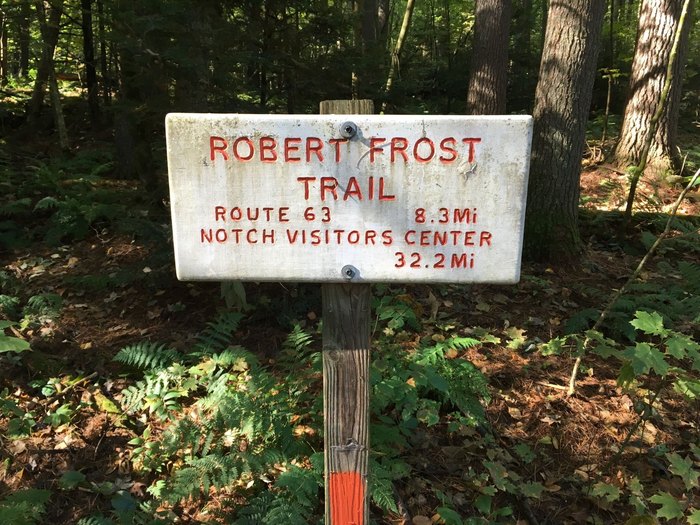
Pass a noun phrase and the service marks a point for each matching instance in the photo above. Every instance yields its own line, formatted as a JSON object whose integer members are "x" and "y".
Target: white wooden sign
{"x": 362, "y": 198}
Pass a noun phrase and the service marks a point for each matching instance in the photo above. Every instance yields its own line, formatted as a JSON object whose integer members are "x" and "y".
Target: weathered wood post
{"x": 346, "y": 342}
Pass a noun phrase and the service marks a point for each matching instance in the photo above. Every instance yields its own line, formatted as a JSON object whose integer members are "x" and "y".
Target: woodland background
{"x": 127, "y": 397}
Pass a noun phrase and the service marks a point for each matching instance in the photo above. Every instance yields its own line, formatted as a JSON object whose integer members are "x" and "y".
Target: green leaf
{"x": 684, "y": 468}
{"x": 12, "y": 344}
{"x": 670, "y": 509}
{"x": 6, "y": 324}
{"x": 449, "y": 516}
{"x": 678, "y": 346}
{"x": 694, "y": 517}
{"x": 649, "y": 322}
{"x": 644, "y": 357}
{"x": 483, "y": 504}
{"x": 71, "y": 479}
{"x": 532, "y": 490}
{"x": 606, "y": 491}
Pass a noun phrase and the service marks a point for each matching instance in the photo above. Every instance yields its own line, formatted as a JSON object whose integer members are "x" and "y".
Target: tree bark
{"x": 89, "y": 59}
{"x": 657, "y": 26}
{"x": 488, "y": 78}
{"x": 50, "y": 28}
{"x": 24, "y": 38}
{"x": 104, "y": 70}
{"x": 395, "y": 56}
{"x": 562, "y": 103}
{"x": 4, "y": 62}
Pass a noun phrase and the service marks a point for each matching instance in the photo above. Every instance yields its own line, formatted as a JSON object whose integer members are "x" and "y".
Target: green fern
{"x": 147, "y": 356}
{"x": 96, "y": 520}
{"x": 218, "y": 333}
{"x": 24, "y": 507}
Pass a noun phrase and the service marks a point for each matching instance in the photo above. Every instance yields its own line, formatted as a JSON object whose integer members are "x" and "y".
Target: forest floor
{"x": 574, "y": 452}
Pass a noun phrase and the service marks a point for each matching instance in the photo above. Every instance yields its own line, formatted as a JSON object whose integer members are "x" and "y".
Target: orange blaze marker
{"x": 347, "y": 498}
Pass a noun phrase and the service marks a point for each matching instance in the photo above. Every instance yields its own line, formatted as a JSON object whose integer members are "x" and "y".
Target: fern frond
{"x": 147, "y": 356}
{"x": 218, "y": 333}
{"x": 96, "y": 520}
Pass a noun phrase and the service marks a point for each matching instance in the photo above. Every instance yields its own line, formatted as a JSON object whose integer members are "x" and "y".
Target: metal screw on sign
{"x": 348, "y": 130}
{"x": 349, "y": 272}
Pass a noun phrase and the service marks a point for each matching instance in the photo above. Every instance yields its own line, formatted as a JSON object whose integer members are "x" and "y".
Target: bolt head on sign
{"x": 406, "y": 198}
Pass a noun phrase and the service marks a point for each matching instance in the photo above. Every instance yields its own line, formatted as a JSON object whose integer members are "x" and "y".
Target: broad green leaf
{"x": 678, "y": 346}
{"x": 449, "y": 516}
{"x": 606, "y": 491}
{"x": 71, "y": 479}
{"x": 6, "y": 324}
{"x": 483, "y": 504}
{"x": 684, "y": 468}
{"x": 532, "y": 490}
{"x": 12, "y": 344}
{"x": 670, "y": 509}
{"x": 694, "y": 517}
{"x": 649, "y": 323}
{"x": 688, "y": 387}
{"x": 644, "y": 357}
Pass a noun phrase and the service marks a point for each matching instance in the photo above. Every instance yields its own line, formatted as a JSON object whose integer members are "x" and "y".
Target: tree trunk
{"x": 104, "y": 70}
{"x": 89, "y": 58}
{"x": 24, "y": 38}
{"x": 657, "y": 25}
{"x": 522, "y": 56}
{"x": 488, "y": 78}
{"x": 59, "y": 121}
{"x": 50, "y": 28}
{"x": 395, "y": 56}
{"x": 4, "y": 62}
{"x": 562, "y": 103}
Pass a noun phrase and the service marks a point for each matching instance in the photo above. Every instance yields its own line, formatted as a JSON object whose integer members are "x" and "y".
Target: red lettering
{"x": 409, "y": 237}
{"x": 352, "y": 190}
{"x": 291, "y": 145}
{"x": 217, "y": 144}
{"x": 314, "y": 145}
{"x": 447, "y": 145}
{"x": 283, "y": 214}
{"x": 306, "y": 181}
{"x": 431, "y": 145}
{"x": 205, "y": 235}
{"x": 375, "y": 146}
{"x": 485, "y": 238}
{"x": 268, "y": 236}
{"x": 370, "y": 192}
{"x": 471, "y": 142}
{"x": 382, "y": 195}
{"x": 370, "y": 236}
{"x": 268, "y": 145}
{"x": 329, "y": 184}
{"x": 399, "y": 145}
{"x": 354, "y": 237}
{"x": 468, "y": 241}
{"x": 337, "y": 143}
{"x": 251, "y": 149}
{"x": 387, "y": 239}
{"x": 219, "y": 213}
{"x": 250, "y": 236}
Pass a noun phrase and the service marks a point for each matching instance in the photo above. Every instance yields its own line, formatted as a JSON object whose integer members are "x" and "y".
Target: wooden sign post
{"x": 347, "y": 198}
{"x": 346, "y": 345}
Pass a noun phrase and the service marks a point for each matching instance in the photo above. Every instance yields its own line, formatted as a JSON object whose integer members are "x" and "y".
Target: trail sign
{"x": 362, "y": 198}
